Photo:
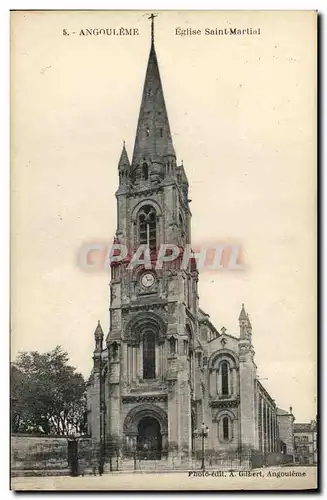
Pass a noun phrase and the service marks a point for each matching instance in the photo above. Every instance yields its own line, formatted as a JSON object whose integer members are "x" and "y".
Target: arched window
{"x": 145, "y": 171}
{"x": 224, "y": 378}
{"x": 226, "y": 434}
{"x": 149, "y": 355}
{"x": 147, "y": 227}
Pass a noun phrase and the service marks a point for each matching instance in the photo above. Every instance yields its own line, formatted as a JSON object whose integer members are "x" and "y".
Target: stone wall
{"x": 286, "y": 431}
{"x": 260, "y": 459}
{"x": 35, "y": 452}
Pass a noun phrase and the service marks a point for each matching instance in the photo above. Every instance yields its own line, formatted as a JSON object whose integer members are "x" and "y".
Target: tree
{"x": 47, "y": 394}
{"x": 18, "y": 401}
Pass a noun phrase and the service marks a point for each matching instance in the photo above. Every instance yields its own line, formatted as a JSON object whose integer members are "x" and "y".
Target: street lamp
{"x": 203, "y": 433}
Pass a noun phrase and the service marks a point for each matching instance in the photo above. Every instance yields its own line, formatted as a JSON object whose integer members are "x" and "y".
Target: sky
{"x": 242, "y": 116}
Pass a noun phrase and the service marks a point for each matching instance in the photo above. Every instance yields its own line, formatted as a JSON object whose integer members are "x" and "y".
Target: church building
{"x": 163, "y": 369}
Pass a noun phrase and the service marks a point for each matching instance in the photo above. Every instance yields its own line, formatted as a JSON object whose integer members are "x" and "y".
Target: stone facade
{"x": 285, "y": 421}
{"x": 164, "y": 369}
{"x": 305, "y": 443}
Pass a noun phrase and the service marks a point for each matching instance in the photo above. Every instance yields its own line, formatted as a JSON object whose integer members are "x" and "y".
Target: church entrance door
{"x": 149, "y": 443}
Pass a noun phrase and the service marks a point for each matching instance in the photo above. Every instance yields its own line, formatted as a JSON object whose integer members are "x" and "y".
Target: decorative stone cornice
{"x": 224, "y": 403}
{"x": 144, "y": 398}
{"x": 141, "y": 386}
{"x": 138, "y": 192}
{"x": 145, "y": 306}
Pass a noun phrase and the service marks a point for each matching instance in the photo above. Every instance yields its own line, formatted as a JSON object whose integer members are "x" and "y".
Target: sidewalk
{"x": 172, "y": 480}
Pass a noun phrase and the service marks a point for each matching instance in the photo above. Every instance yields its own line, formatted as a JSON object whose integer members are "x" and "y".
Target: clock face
{"x": 147, "y": 280}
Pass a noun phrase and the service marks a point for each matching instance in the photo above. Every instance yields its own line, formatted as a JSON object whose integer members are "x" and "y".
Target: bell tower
{"x": 150, "y": 344}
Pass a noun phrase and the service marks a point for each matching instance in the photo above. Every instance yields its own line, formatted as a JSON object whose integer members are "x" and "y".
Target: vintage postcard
{"x": 163, "y": 250}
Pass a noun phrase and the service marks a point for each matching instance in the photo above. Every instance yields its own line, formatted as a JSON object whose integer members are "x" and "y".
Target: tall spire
{"x": 153, "y": 138}
{"x": 152, "y": 26}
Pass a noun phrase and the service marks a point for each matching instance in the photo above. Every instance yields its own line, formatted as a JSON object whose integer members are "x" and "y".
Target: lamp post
{"x": 203, "y": 433}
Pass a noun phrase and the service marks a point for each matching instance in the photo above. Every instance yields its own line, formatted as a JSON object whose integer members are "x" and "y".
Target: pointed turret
{"x": 98, "y": 337}
{"x": 243, "y": 315}
{"x": 245, "y": 325}
{"x": 153, "y": 142}
{"x": 98, "y": 334}
{"x": 124, "y": 163}
{"x": 124, "y": 168}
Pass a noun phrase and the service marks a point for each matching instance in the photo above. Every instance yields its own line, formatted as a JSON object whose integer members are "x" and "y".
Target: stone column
{"x": 163, "y": 368}
{"x": 185, "y": 439}
{"x": 128, "y": 364}
{"x": 273, "y": 430}
{"x": 127, "y": 443}
{"x": 140, "y": 360}
{"x": 157, "y": 360}
{"x": 124, "y": 374}
{"x": 247, "y": 375}
{"x": 134, "y": 363}
{"x": 269, "y": 429}
{"x": 173, "y": 417}
{"x": 262, "y": 427}
{"x": 95, "y": 413}
{"x": 164, "y": 443}
{"x": 133, "y": 442}
{"x": 258, "y": 418}
{"x": 137, "y": 356}
{"x": 212, "y": 384}
{"x": 216, "y": 386}
{"x": 266, "y": 427}
{"x": 164, "y": 360}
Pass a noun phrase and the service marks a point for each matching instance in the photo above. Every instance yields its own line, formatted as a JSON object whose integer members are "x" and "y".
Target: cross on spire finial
{"x": 152, "y": 26}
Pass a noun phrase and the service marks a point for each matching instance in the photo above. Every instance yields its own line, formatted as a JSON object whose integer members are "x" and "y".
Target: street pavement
{"x": 270, "y": 478}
